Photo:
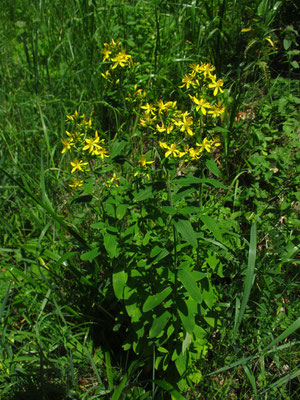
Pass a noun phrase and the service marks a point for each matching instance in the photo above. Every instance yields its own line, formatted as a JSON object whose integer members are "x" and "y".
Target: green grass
{"x": 67, "y": 329}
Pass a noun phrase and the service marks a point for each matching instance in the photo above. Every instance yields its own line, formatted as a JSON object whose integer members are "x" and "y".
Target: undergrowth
{"x": 149, "y": 199}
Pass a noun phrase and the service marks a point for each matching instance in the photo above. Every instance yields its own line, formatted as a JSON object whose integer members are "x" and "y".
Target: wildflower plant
{"x": 150, "y": 220}
{"x": 84, "y": 147}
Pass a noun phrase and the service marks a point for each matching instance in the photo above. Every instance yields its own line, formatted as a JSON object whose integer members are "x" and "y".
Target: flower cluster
{"x": 115, "y": 56}
{"x": 201, "y": 81}
{"x": 84, "y": 146}
{"x": 164, "y": 129}
{"x": 186, "y": 134}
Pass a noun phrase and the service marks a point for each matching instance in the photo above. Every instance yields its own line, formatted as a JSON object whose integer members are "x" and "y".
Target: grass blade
{"x": 284, "y": 380}
{"x": 109, "y": 373}
{"x": 118, "y": 392}
{"x": 4, "y": 301}
{"x": 249, "y": 278}
{"x": 292, "y": 328}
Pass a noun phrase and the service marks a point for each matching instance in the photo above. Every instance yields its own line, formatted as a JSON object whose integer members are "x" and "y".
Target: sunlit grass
{"x": 174, "y": 185}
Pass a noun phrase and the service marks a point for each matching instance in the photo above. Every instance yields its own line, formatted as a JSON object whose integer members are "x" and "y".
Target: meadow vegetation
{"x": 149, "y": 193}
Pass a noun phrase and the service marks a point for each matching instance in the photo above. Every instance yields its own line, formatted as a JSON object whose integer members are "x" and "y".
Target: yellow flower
{"x": 170, "y": 127}
{"x": 161, "y": 128}
{"x": 216, "y": 142}
{"x": 268, "y": 38}
{"x": 205, "y": 145}
{"x": 77, "y": 165}
{"x": 113, "y": 181}
{"x": 246, "y": 30}
{"x": 76, "y": 184}
{"x": 162, "y": 107}
{"x": 201, "y": 104}
{"x": 106, "y": 76}
{"x": 196, "y": 68}
{"x": 216, "y": 85}
{"x": 115, "y": 44}
{"x": 194, "y": 153}
{"x": 143, "y": 163}
{"x": 92, "y": 144}
{"x": 149, "y": 109}
{"x": 101, "y": 152}
{"x": 67, "y": 144}
{"x": 171, "y": 104}
{"x": 217, "y": 111}
{"x": 206, "y": 69}
{"x": 163, "y": 145}
{"x": 188, "y": 80}
{"x": 106, "y": 51}
{"x": 186, "y": 124}
{"x": 147, "y": 121}
{"x": 171, "y": 150}
{"x": 74, "y": 135}
{"x": 88, "y": 123}
{"x": 72, "y": 117}
{"x": 121, "y": 59}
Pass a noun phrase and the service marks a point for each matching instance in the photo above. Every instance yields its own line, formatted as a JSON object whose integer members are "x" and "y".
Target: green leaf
{"x": 144, "y": 194}
{"x": 212, "y": 166}
{"x": 159, "y": 324}
{"x": 117, "y": 148}
{"x": 187, "y": 341}
{"x": 209, "y": 296}
{"x": 190, "y": 210}
{"x": 175, "y": 395}
{"x": 186, "y": 230}
{"x": 183, "y": 193}
{"x": 182, "y": 363}
{"x": 155, "y": 251}
{"x": 212, "y": 226}
{"x": 162, "y": 254}
{"x": 215, "y": 183}
{"x": 169, "y": 210}
{"x": 167, "y": 386}
{"x": 286, "y": 44}
{"x": 111, "y": 245}
{"x": 98, "y": 225}
{"x": 90, "y": 255}
{"x": 109, "y": 209}
{"x": 121, "y": 211}
{"x": 189, "y": 282}
{"x": 187, "y": 180}
{"x": 191, "y": 180}
{"x": 153, "y": 301}
{"x": 119, "y": 282}
{"x": 186, "y": 310}
{"x": 295, "y": 64}
{"x": 146, "y": 238}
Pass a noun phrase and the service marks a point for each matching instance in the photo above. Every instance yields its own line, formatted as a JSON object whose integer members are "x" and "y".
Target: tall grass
{"x": 59, "y": 337}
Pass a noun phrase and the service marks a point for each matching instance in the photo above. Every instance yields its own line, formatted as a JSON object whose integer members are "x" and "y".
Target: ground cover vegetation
{"x": 149, "y": 199}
